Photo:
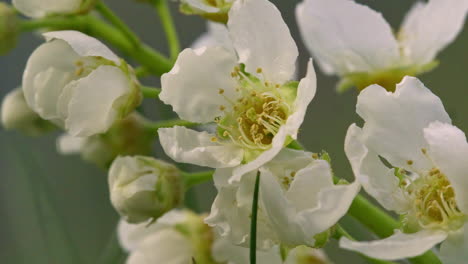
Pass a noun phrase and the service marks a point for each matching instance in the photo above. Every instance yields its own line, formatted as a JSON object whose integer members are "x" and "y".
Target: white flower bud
{"x": 16, "y": 114}
{"x": 76, "y": 82}
{"x": 128, "y": 136}
{"x": 41, "y": 8}
{"x": 143, "y": 188}
{"x": 9, "y": 28}
{"x": 212, "y": 10}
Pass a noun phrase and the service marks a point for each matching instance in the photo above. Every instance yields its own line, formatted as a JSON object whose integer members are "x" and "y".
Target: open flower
{"x": 257, "y": 108}
{"x": 77, "y": 83}
{"x": 215, "y": 10}
{"x": 16, "y": 114}
{"x": 297, "y": 201}
{"x": 411, "y": 159}
{"x": 41, "y": 8}
{"x": 143, "y": 188}
{"x": 355, "y": 42}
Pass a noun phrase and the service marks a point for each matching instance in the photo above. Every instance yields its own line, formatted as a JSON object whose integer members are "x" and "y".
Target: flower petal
{"x": 397, "y": 246}
{"x": 41, "y": 8}
{"x": 91, "y": 108}
{"x": 131, "y": 235}
{"x": 226, "y": 252}
{"x": 48, "y": 69}
{"x": 262, "y": 39}
{"x": 395, "y": 121}
{"x": 83, "y": 45}
{"x": 201, "y": 6}
{"x": 193, "y": 85}
{"x": 379, "y": 181}
{"x": 190, "y": 146}
{"x": 429, "y": 27}
{"x": 454, "y": 250}
{"x": 165, "y": 246}
{"x": 346, "y": 37}
{"x": 217, "y": 35}
{"x": 449, "y": 151}
{"x": 305, "y": 94}
{"x": 68, "y": 144}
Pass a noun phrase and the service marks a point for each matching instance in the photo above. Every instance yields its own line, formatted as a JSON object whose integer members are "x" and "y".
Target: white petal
{"x": 299, "y": 254}
{"x": 346, "y": 37}
{"x": 55, "y": 61}
{"x": 305, "y": 94}
{"x": 41, "y": 8}
{"x": 91, "y": 108}
{"x": 395, "y": 121}
{"x": 397, "y": 246}
{"x": 430, "y": 27}
{"x": 454, "y": 250}
{"x": 201, "y": 6}
{"x": 378, "y": 180}
{"x": 68, "y": 144}
{"x": 217, "y": 35}
{"x": 192, "y": 86}
{"x": 83, "y": 44}
{"x": 449, "y": 150}
{"x": 189, "y": 146}
{"x": 226, "y": 252}
{"x": 131, "y": 235}
{"x": 166, "y": 246}
{"x": 262, "y": 39}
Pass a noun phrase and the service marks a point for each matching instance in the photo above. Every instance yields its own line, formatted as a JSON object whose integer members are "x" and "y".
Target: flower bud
{"x": 126, "y": 137}
{"x": 143, "y": 188}
{"x": 41, "y": 8}
{"x": 216, "y": 11}
{"x": 9, "y": 28}
{"x": 76, "y": 82}
{"x": 16, "y": 114}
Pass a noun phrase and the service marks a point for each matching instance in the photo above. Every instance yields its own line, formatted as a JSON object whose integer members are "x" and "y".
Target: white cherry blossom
{"x": 143, "y": 188}
{"x": 297, "y": 201}
{"x": 76, "y": 82}
{"x": 257, "y": 108}
{"x": 355, "y": 42}
{"x": 411, "y": 159}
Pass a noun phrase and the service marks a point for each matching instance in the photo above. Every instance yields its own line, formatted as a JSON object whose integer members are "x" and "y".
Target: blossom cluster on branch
{"x": 240, "y": 107}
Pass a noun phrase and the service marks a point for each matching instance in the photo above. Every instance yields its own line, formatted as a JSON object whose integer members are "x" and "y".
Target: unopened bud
{"x": 216, "y": 11}
{"x": 9, "y": 28}
{"x": 17, "y": 115}
{"x": 143, "y": 188}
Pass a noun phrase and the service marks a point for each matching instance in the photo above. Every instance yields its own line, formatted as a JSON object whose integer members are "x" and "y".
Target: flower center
{"x": 255, "y": 117}
{"x": 434, "y": 204}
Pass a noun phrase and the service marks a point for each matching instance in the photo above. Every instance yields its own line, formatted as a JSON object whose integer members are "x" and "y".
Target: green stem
{"x": 193, "y": 178}
{"x": 169, "y": 27}
{"x": 341, "y": 232}
{"x": 118, "y": 23}
{"x": 150, "y": 92}
{"x": 141, "y": 72}
{"x": 253, "y": 222}
{"x": 155, "y": 62}
{"x": 154, "y": 126}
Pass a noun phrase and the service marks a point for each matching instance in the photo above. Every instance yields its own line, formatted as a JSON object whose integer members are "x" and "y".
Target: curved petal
{"x": 397, "y": 246}
{"x": 394, "y": 122}
{"x": 83, "y": 45}
{"x": 91, "y": 106}
{"x": 190, "y": 146}
{"x": 49, "y": 69}
{"x": 346, "y": 37}
{"x": 68, "y": 144}
{"x": 131, "y": 235}
{"x": 449, "y": 151}
{"x": 379, "y": 181}
{"x": 305, "y": 94}
{"x": 41, "y": 8}
{"x": 193, "y": 85}
{"x": 262, "y": 39}
{"x": 201, "y": 6}
{"x": 429, "y": 27}
{"x": 166, "y": 246}
{"x": 217, "y": 35}
{"x": 454, "y": 250}
{"x": 226, "y": 252}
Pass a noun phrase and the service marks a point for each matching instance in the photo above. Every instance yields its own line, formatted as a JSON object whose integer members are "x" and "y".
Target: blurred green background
{"x": 44, "y": 194}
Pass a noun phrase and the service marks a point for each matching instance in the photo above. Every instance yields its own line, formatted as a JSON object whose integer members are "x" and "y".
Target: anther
{"x": 409, "y": 162}
{"x": 424, "y": 151}
{"x": 214, "y": 139}
{"x": 259, "y": 70}
{"x": 222, "y": 107}
{"x": 221, "y": 91}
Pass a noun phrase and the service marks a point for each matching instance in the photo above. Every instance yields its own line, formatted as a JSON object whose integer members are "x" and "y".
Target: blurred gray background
{"x": 43, "y": 194}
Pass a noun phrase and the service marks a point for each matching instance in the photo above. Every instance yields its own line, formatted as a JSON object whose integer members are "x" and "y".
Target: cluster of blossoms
{"x": 236, "y": 87}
